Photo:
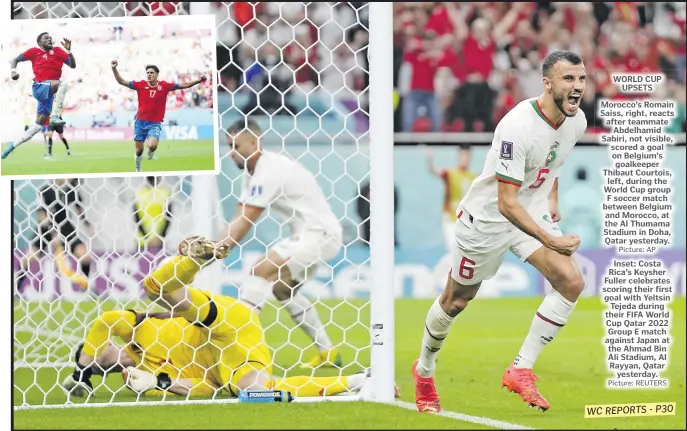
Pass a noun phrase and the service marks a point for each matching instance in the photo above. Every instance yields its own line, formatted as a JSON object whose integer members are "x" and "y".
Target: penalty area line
{"x": 467, "y": 418}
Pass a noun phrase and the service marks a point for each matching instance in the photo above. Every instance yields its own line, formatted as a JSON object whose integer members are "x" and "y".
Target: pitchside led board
{"x": 101, "y": 97}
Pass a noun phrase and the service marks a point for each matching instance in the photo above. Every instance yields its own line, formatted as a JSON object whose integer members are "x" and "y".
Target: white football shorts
{"x": 305, "y": 250}
{"x": 479, "y": 249}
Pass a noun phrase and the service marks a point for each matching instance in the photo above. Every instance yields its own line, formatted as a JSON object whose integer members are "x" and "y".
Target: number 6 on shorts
{"x": 466, "y": 272}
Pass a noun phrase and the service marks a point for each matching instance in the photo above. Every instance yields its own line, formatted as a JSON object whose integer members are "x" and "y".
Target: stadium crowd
{"x": 462, "y": 66}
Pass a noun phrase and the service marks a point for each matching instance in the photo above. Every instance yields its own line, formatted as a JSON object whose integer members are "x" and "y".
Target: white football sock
{"x": 305, "y": 315}
{"x": 138, "y": 162}
{"x": 254, "y": 291}
{"x": 552, "y": 314}
{"x": 32, "y": 130}
{"x": 437, "y": 325}
{"x": 59, "y": 99}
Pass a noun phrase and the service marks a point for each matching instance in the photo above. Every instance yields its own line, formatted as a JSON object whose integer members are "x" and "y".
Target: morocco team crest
{"x": 159, "y": 87}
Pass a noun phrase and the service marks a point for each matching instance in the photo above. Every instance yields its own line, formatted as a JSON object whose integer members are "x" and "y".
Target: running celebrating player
{"x": 152, "y": 102}
{"x": 47, "y": 88}
{"x": 291, "y": 191}
{"x": 513, "y": 205}
{"x": 207, "y": 344}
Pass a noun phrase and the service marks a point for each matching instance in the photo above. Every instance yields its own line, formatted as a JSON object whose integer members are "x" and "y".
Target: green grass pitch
{"x": 572, "y": 372}
{"x": 109, "y": 157}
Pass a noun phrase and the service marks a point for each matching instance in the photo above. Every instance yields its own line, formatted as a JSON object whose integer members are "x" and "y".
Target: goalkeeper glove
{"x": 79, "y": 382}
{"x": 142, "y": 381}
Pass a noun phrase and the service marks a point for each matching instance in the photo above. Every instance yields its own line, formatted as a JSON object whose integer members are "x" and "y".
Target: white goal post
{"x": 347, "y": 142}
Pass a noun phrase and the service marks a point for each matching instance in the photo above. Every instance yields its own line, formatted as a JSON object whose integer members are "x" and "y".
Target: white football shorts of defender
{"x": 528, "y": 151}
{"x": 290, "y": 192}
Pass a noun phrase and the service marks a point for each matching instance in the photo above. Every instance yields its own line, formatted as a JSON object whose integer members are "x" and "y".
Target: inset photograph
{"x": 109, "y": 97}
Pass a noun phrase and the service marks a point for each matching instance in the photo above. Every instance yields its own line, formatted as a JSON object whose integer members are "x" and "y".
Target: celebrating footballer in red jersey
{"x": 46, "y": 61}
{"x": 152, "y": 101}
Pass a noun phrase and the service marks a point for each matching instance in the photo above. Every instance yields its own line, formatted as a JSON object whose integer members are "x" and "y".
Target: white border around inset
{"x": 22, "y": 25}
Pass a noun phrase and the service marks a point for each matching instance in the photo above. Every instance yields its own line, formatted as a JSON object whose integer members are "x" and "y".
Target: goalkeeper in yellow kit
{"x": 208, "y": 343}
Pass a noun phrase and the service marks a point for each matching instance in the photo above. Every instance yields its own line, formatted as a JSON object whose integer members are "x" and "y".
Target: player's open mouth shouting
{"x": 574, "y": 100}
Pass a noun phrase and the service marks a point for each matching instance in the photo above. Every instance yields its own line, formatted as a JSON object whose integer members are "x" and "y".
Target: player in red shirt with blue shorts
{"x": 46, "y": 61}
{"x": 152, "y": 101}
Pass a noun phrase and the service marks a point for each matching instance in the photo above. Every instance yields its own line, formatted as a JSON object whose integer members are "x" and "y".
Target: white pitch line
{"x": 467, "y": 418}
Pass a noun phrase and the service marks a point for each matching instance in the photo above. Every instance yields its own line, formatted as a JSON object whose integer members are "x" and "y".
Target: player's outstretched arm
{"x": 13, "y": 66}
{"x": 511, "y": 208}
{"x": 193, "y": 83}
{"x": 244, "y": 218}
{"x": 71, "y": 62}
{"x": 118, "y": 77}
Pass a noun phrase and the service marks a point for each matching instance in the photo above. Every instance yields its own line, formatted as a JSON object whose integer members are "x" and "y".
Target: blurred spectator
{"x": 456, "y": 182}
{"x": 152, "y": 214}
{"x": 482, "y": 58}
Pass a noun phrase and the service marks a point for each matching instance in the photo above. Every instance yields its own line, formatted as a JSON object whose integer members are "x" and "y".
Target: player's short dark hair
{"x": 152, "y": 66}
{"x": 38, "y": 39}
{"x": 244, "y": 124}
{"x": 555, "y": 57}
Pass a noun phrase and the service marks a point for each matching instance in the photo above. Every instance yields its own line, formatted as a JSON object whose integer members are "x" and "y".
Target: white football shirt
{"x": 527, "y": 150}
{"x": 291, "y": 192}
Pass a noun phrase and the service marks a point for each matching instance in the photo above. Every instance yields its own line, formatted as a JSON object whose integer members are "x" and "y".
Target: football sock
{"x": 254, "y": 292}
{"x": 551, "y": 316}
{"x": 28, "y": 134}
{"x": 59, "y": 99}
{"x": 172, "y": 275}
{"x": 138, "y": 160}
{"x": 307, "y": 386}
{"x": 437, "y": 325}
{"x": 305, "y": 315}
{"x": 66, "y": 144}
{"x": 49, "y": 145}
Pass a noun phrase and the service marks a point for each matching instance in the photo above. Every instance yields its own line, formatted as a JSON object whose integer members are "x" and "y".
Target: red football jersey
{"x": 47, "y": 65}
{"x": 152, "y": 101}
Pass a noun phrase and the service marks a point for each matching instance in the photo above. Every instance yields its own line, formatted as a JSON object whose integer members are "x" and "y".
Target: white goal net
{"x": 300, "y": 70}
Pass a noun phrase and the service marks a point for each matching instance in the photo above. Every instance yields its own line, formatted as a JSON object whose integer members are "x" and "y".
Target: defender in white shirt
{"x": 283, "y": 188}
{"x": 513, "y": 205}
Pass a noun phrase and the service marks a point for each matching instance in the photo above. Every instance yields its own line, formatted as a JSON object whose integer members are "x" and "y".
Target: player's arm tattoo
{"x": 511, "y": 208}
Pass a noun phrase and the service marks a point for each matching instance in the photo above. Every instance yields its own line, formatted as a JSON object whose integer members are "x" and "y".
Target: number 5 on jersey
{"x": 541, "y": 177}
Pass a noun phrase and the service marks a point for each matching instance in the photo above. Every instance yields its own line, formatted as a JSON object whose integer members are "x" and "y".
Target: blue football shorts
{"x": 146, "y": 129}
{"x": 42, "y": 94}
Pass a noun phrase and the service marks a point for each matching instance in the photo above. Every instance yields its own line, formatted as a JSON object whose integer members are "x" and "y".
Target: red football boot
{"x": 426, "y": 397}
{"x": 522, "y": 382}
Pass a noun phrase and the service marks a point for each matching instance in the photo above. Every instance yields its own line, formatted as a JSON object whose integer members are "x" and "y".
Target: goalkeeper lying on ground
{"x": 209, "y": 343}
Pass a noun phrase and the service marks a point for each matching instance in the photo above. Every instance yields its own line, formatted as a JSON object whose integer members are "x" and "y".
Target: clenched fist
{"x": 114, "y": 63}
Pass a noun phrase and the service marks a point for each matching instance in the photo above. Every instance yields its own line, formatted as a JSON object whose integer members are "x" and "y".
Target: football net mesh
{"x": 308, "y": 91}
